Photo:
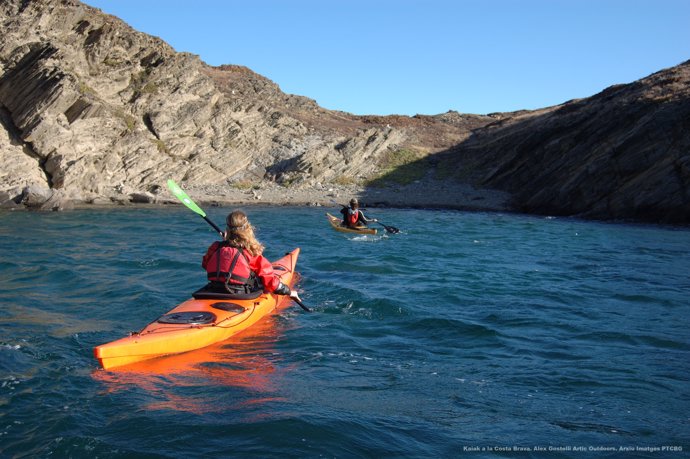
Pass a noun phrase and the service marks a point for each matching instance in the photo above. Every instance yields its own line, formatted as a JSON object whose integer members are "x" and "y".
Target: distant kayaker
{"x": 237, "y": 264}
{"x": 353, "y": 217}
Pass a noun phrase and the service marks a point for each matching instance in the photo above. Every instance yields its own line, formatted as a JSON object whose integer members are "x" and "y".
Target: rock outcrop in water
{"x": 95, "y": 112}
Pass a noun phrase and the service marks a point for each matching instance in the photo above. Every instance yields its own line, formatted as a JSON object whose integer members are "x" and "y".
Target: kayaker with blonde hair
{"x": 237, "y": 263}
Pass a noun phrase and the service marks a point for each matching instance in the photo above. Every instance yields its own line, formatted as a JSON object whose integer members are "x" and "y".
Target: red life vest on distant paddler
{"x": 352, "y": 216}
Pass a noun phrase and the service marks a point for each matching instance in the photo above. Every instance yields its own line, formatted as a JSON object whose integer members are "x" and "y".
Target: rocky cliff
{"x": 621, "y": 154}
{"x": 93, "y": 111}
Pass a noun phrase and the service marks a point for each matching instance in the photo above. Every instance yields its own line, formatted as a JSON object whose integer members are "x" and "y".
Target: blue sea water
{"x": 480, "y": 334}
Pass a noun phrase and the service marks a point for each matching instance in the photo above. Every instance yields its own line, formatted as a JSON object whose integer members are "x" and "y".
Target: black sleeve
{"x": 282, "y": 290}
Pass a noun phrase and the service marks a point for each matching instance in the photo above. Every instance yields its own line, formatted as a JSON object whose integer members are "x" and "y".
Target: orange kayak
{"x": 205, "y": 319}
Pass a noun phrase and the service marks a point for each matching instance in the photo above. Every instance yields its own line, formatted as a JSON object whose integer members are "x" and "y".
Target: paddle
{"x": 390, "y": 229}
{"x": 298, "y": 301}
{"x": 187, "y": 201}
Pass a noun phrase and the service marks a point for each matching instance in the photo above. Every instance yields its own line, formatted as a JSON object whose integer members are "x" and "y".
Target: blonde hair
{"x": 240, "y": 233}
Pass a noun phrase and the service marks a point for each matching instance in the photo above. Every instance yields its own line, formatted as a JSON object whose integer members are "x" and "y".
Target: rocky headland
{"x": 93, "y": 112}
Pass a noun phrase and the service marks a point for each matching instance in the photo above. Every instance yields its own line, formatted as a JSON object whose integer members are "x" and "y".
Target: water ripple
{"x": 467, "y": 329}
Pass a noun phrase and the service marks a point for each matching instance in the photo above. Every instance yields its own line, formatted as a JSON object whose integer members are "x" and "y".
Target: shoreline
{"x": 418, "y": 195}
{"x": 437, "y": 196}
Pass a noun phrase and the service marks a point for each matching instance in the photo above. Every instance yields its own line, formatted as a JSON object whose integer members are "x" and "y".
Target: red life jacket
{"x": 225, "y": 264}
{"x": 352, "y": 217}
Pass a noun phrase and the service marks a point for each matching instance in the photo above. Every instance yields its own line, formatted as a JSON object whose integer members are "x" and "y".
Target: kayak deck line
{"x": 185, "y": 327}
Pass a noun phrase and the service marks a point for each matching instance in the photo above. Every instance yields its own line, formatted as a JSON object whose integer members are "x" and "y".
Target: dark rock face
{"x": 621, "y": 154}
{"x": 92, "y": 111}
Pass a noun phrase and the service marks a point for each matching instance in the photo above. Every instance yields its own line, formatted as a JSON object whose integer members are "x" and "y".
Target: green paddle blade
{"x": 186, "y": 200}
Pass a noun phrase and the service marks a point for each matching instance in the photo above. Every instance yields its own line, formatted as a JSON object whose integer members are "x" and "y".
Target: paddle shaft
{"x": 302, "y": 305}
{"x": 215, "y": 227}
{"x": 390, "y": 229}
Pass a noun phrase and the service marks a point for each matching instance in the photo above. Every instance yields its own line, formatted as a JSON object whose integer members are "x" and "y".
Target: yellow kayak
{"x": 205, "y": 319}
{"x": 337, "y": 225}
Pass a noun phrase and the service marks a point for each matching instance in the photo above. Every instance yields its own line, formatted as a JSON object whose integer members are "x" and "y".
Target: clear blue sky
{"x": 426, "y": 56}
